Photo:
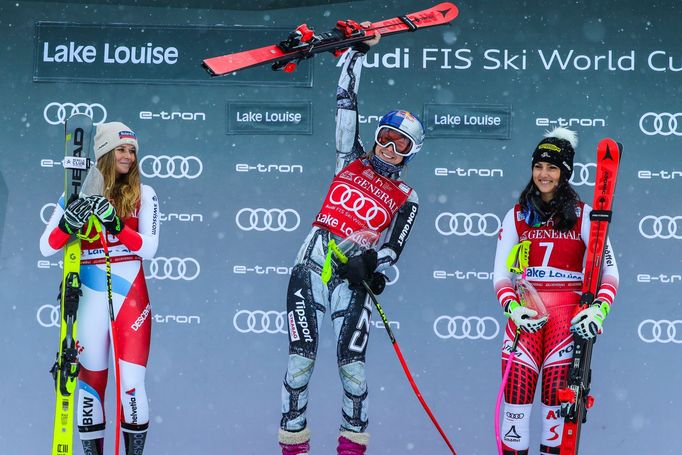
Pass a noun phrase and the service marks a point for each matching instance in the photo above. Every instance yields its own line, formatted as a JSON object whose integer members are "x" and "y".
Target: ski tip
{"x": 448, "y": 10}
{"x": 208, "y": 69}
{"x": 609, "y": 144}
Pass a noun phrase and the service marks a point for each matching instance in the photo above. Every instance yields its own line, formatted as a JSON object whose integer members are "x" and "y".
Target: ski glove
{"x": 587, "y": 324}
{"x": 377, "y": 283}
{"x": 359, "y": 268}
{"x": 106, "y": 213}
{"x": 523, "y": 317}
{"x": 75, "y": 215}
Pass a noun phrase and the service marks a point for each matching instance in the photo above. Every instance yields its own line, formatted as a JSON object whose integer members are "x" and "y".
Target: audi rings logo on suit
{"x": 466, "y": 327}
{"x": 473, "y": 224}
{"x": 362, "y": 207}
{"x": 56, "y": 113}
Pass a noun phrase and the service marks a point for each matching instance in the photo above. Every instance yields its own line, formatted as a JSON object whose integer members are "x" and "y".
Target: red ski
{"x": 303, "y": 42}
{"x": 575, "y": 398}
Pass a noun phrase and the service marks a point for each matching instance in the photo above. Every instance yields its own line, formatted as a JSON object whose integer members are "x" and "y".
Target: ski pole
{"x": 112, "y": 331}
{"x": 394, "y": 342}
{"x": 500, "y": 394}
{"x": 326, "y": 275}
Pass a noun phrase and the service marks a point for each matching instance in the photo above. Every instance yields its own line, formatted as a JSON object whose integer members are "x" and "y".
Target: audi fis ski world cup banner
{"x": 241, "y": 164}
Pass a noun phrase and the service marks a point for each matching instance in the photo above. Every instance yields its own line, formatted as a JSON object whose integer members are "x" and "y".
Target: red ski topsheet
{"x": 440, "y": 14}
{"x": 608, "y": 160}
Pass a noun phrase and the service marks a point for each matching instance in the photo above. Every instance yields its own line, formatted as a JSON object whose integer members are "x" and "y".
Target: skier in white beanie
{"x": 128, "y": 211}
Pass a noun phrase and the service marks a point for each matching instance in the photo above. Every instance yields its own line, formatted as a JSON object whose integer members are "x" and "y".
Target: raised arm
{"x": 348, "y": 144}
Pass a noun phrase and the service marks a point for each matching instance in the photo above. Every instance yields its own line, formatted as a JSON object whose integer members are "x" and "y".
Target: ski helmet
{"x": 408, "y": 125}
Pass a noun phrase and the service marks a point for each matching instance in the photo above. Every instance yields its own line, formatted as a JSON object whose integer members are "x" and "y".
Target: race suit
{"x": 137, "y": 241}
{"x": 357, "y": 196}
{"x": 556, "y": 264}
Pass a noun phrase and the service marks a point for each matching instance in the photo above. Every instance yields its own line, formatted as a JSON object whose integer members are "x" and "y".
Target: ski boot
{"x": 134, "y": 437}
{"x": 93, "y": 446}
{"x": 351, "y": 443}
{"x": 294, "y": 443}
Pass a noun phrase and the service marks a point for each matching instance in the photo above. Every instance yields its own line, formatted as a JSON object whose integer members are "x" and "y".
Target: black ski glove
{"x": 359, "y": 268}
{"x": 75, "y": 215}
{"x": 377, "y": 283}
{"x": 106, "y": 213}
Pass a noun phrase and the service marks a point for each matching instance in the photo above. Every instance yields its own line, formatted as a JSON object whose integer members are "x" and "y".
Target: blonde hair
{"x": 123, "y": 190}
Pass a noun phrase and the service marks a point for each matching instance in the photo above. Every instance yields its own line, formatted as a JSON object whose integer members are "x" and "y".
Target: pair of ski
{"x": 78, "y": 150}
{"x": 575, "y": 398}
{"x": 303, "y": 42}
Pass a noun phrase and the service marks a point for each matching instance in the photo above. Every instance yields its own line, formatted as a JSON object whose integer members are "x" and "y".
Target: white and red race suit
{"x": 358, "y": 197}
{"x": 137, "y": 241}
{"x": 555, "y": 269}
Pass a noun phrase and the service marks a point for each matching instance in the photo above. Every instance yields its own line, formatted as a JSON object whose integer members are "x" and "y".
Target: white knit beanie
{"x": 111, "y": 135}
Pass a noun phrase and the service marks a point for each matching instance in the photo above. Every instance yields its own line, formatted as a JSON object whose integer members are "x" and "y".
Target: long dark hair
{"x": 562, "y": 207}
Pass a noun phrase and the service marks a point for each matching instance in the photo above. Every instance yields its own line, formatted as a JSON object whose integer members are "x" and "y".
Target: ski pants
{"x": 132, "y": 312}
{"x": 549, "y": 350}
{"x": 307, "y": 301}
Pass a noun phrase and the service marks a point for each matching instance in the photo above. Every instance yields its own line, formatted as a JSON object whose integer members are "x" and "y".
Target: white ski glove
{"x": 523, "y": 317}
{"x": 587, "y": 324}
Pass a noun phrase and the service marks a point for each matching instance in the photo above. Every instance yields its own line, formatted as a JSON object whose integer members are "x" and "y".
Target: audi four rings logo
{"x": 474, "y": 224}
{"x": 258, "y": 321}
{"x": 173, "y": 268}
{"x": 176, "y": 166}
{"x": 583, "y": 174}
{"x": 57, "y": 113}
{"x": 661, "y": 227}
{"x": 663, "y": 124}
{"x": 662, "y": 331}
{"x": 261, "y": 219}
{"x": 363, "y": 207}
{"x": 469, "y": 328}
{"x": 48, "y": 315}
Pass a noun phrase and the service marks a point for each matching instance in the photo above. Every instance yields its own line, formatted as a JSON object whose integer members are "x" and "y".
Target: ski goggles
{"x": 387, "y": 135}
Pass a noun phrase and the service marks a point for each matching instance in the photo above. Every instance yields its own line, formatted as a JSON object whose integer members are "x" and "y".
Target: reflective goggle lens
{"x": 386, "y": 136}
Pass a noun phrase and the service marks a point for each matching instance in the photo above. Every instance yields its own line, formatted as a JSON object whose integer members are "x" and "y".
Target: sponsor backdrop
{"x": 241, "y": 164}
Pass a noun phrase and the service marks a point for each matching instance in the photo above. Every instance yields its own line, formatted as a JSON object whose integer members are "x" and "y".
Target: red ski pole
{"x": 394, "y": 342}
